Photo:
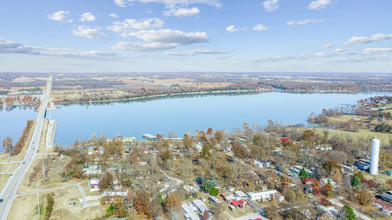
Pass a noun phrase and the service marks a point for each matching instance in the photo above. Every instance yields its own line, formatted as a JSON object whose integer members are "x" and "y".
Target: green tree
{"x": 356, "y": 181}
{"x": 303, "y": 174}
{"x": 205, "y": 152}
{"x": 110, "y": 210}
{"x": 214, "y": 191}
{"x": 347, "y": 213}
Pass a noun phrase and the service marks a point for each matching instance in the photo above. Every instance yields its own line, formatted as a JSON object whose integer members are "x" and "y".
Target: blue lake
{"x": 179, "y": 114}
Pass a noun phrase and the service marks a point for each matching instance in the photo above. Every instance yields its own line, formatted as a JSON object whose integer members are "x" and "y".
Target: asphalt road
{"x": 8, "y": 194}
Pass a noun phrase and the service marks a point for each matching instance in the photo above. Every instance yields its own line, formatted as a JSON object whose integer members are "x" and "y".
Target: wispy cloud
{"x": 59, "y": 16}
{"x": 171, "y": 3}
{"x": 7, "y": 46}
{"x": 182, "y": 12}
{"x": 364, "y": 39}
{"x": 326, "y": 46}
{"x": 162, "y": 39}
{"x": 87, "y": 17}
{"x": 129, "y": 25}
{"x": 271, "y": 5}
{"x": 260, "y": 27}
{"x": 319, "y": 4}
{"x": 232, "y": 28}
{"x": 305, "y": 22}
{"x": 87, "y": 32}
{"x": 196, "y": 52}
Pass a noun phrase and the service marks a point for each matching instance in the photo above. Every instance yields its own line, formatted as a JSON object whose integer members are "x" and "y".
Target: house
{"x": 115, "y": 193}
{"x": 127, "y": 148}
{"x": 92, "y": 169}
{"x": 199, "y": 147}
{"x": 230, "y": 188}
{"x": 307, "y": 180}
{"x": 279, "y": 197}
{"x": 261, "y": 195}
{"x": 236, "y": 204}
{"x": 347, "y": 168}
{"x": 116, "y": 184}
{"x": 387, "y": 196}
{"x": 94, "y": 184}
{"x": 189, "y": 214}
{"x": 258, "y": 163}
{"x": 264, "y": 162}
{"x": 90, "y": 151}
{"x": 150, "y": 137}
{"x": 227, "y": 197}
{"x": 214, "y": 200}
{"x": 129, "y": 139}
{"x": 200, "y": 205}
{"x": 243, "y": 202}
{"x": 384, "y": 207}
{"x": 239, "y": 194}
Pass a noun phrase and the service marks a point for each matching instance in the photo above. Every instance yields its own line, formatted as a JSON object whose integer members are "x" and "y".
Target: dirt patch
{"x": 29, "y": 210}
{"x": 62, "y": 210}
{"x": 42, "y": 142}
{"x": 8, "y": 167}
{"x": 3, "y": 180}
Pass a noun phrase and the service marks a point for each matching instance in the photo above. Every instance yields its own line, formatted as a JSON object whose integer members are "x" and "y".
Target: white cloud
{"x": 171, "y": 36}
{"x": 120, "y": 3}
{"x": 132, "y": 24}
{"x": 271, "y": 5}
{"x": 339, "y": 51}
{"x": 59, "y": 16}
{"x": 143, "y": 46}
{"x": 7, "y": 46}
{"x": 87, "y": 17}
{"x": 363, "y": 39}
{"x": 162, "y": 39}
{"x": 319, "y": 4}
{"x": 231, "y": 28}
{"x": 219, "y": 57}
{"x": 326, "y": 46}
{"x": 305, "y": 22}
{"x": 113, "y": 15}
{"x": 368, "y": 51}
{"x": 197, "y": 51}
{"x": 180, "y": 12}
{"x": 171, "y": 3}
{"x": 260, "y": 27}
{"x": 87, "y": 32}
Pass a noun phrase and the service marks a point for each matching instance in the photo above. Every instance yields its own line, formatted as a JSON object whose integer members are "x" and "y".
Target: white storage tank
{"x": 374, "y": 156}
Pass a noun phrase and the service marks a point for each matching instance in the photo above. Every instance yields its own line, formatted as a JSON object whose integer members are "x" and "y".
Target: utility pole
{"x": 43, "y": 168}
{"x": 39, "y": 212}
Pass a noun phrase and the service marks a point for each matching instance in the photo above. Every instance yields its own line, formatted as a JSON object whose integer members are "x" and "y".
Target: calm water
{"x": 13, "y": 122}
{"x": 179, "y": 115}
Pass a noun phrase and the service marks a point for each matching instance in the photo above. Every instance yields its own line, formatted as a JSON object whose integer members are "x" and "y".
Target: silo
{"x": 374, "y": 156}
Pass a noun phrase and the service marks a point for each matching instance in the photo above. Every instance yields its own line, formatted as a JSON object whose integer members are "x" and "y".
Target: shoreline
{"x": 207, "y": 93}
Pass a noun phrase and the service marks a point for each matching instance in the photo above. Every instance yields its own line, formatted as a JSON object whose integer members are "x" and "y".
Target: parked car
{"x": 1, "y": 200}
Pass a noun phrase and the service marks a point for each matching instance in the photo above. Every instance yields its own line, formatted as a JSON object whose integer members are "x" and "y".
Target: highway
{"x": 8, "y": 193}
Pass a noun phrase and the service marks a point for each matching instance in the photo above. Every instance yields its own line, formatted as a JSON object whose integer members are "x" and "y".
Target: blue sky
{"x": 196, "y": 35}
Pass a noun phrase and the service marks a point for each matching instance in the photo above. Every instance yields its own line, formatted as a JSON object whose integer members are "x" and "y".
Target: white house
{"x": 239, "y": 194}
{"x": 262, "y": 195}
{"x": 94, "y": 184}
{"x": 200, "y": 205}
{"x": 189, "y": 214}
{"x": 92, "y": 169}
